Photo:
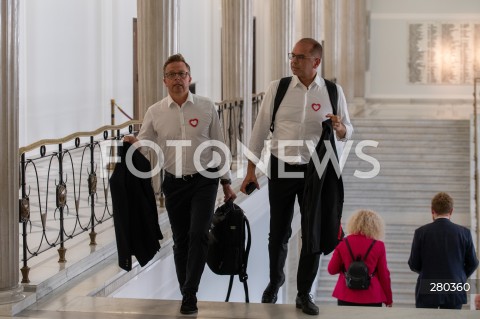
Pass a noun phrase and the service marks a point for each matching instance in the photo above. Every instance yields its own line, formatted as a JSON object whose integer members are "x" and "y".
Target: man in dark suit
{"x": 443, "y": 254}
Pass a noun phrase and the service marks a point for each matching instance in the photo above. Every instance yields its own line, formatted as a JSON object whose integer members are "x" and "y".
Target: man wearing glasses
{"x": 299, "y": 119}
{"x": 180, "y": 124}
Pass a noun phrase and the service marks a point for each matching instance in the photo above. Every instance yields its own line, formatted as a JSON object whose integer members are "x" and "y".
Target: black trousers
{"x": 443, "y": 306}
{"x": 347, "y": 303}
{"x": 190, "y": 206}
{"x": 282, "y": 193}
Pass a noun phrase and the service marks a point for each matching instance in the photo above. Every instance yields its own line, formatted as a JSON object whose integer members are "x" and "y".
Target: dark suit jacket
{"x": 441, "y": 252}
{"x": 322, "y": 200}
{"x": 135, "y": 214}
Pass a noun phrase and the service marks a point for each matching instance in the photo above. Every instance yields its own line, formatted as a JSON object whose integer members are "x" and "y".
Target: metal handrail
{"x": 76, "y": 135}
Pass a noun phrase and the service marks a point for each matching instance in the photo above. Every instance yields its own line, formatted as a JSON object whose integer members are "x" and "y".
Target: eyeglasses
{"x": 173, "y": 75}
{"x": 299, "y": 57}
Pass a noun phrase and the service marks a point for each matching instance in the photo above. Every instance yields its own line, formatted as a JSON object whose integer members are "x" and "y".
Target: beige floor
{"x": 109, "y": 308}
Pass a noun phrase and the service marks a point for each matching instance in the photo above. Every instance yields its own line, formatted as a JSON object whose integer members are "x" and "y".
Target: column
{"x": 345, "y": 45}
{"x": 361, "y": 45}
{"x": 157, "y": 23}
{"x": 312, "y": 23}
{"x": 157, "y": 34}
{"x": 237, "y": 57}
{"x": 282, "y": 14}
{"x": 312, "y": 19}
{"x": 329, "y": 40}
{"x": 10, "y": 290}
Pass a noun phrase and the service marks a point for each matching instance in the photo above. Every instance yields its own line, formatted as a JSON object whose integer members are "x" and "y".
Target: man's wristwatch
{"x": 226, "y": 181}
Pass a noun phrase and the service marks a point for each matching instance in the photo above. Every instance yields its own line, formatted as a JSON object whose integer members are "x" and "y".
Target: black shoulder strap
{"x": 282, "y": 89}
{"x": 332, "y": 94}
{"x": 243, "y": 276}
{"x": 349, "y": 249}
{"x": 369, "y": 248}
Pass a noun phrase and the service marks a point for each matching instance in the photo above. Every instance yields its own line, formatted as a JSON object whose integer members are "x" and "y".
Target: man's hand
{"x": 130, "y": 139}
{"x": 337, "y": 124}
{"x": 229, "y": 193}
{"x": 251, "y": 177}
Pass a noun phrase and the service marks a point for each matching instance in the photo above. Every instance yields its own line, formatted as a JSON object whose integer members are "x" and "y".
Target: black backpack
{"x": 357, "y": 276}
{"x": 229, "y": 244}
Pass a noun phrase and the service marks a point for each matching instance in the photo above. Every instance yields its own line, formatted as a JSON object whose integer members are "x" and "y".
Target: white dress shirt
{"x": 180, "y": 130}
{"x": 299, "y": 119}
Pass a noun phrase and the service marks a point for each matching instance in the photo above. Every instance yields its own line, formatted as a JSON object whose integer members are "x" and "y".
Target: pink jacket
{"x": 380, "y": 289}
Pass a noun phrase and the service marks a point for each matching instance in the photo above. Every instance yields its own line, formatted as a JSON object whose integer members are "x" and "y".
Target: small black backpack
{"x": 229, "y": 244}
{"x": 357, "y": 276}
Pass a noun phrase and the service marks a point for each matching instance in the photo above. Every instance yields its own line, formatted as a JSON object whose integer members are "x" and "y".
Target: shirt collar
{"x": 171, "y": 102}
{"x": 319, "y": 81}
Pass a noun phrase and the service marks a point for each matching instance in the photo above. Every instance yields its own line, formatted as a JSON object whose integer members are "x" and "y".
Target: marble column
{"x": 361, "y": 45}
{"x": 237, "y": 57}
{"x": 345, "y": 47}
{"x": 329, "y": 39}
{"x": 282, "y": 15}
{"x": 345, "y": 43}
{"x": 157, "y": 23}
{"x": 157, "y": 27}
{"x": 312, "y": 19}
{"x": 10, "y": 290}
{"x": 312, "y": 23}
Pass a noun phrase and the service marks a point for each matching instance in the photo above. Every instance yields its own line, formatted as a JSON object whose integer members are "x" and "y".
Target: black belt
{"x": 186, "y": 178}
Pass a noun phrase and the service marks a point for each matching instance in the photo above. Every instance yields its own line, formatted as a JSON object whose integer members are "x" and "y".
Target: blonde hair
{"x": 366, "y": 222}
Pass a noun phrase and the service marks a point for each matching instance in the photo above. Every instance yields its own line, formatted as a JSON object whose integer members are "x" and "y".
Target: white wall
{"x": 388, "y": 73}
{"x": 75, "y": 56}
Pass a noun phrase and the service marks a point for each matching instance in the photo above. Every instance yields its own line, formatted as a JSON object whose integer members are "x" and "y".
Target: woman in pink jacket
{"x": 363, "y": 228}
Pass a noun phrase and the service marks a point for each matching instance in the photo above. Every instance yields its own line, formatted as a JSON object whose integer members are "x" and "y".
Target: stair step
{"x": 439, "y": 180}
{"x": 459, "y": 188}
{"x": 405, "y": 170}
{"x": 453, "y": 137}
{"x": 415, "y": 144}
{"x": 408, "y": 159}
{"x": 405, "y": 124}
{"x": 385, "y": 193}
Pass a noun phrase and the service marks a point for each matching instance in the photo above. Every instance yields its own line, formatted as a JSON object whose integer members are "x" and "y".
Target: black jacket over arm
{"x": 322, "y": 200}
{"x": 135, "y": 214}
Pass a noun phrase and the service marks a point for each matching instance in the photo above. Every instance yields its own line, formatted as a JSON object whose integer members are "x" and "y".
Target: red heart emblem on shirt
{"x": 193, "y": 122}
{"x": 316, "y": 106}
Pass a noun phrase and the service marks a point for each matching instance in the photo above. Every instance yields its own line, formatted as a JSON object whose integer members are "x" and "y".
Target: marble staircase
{"x": 417, "y": 159}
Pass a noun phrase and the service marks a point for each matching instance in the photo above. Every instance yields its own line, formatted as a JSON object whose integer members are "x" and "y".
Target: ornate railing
{"x": 231, "y": 116}
{"x": 61, "y": 196}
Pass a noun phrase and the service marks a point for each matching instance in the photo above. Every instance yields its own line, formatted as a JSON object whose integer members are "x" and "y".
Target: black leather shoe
{"x": 189, "y": 304}
{"x": 270, "y": 294}
{"x": 305, "y": 302}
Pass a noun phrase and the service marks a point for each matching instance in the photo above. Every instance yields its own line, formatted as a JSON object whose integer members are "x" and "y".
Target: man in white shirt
{"x": 182, "y": 124}
{"x": 299, "y": 120}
